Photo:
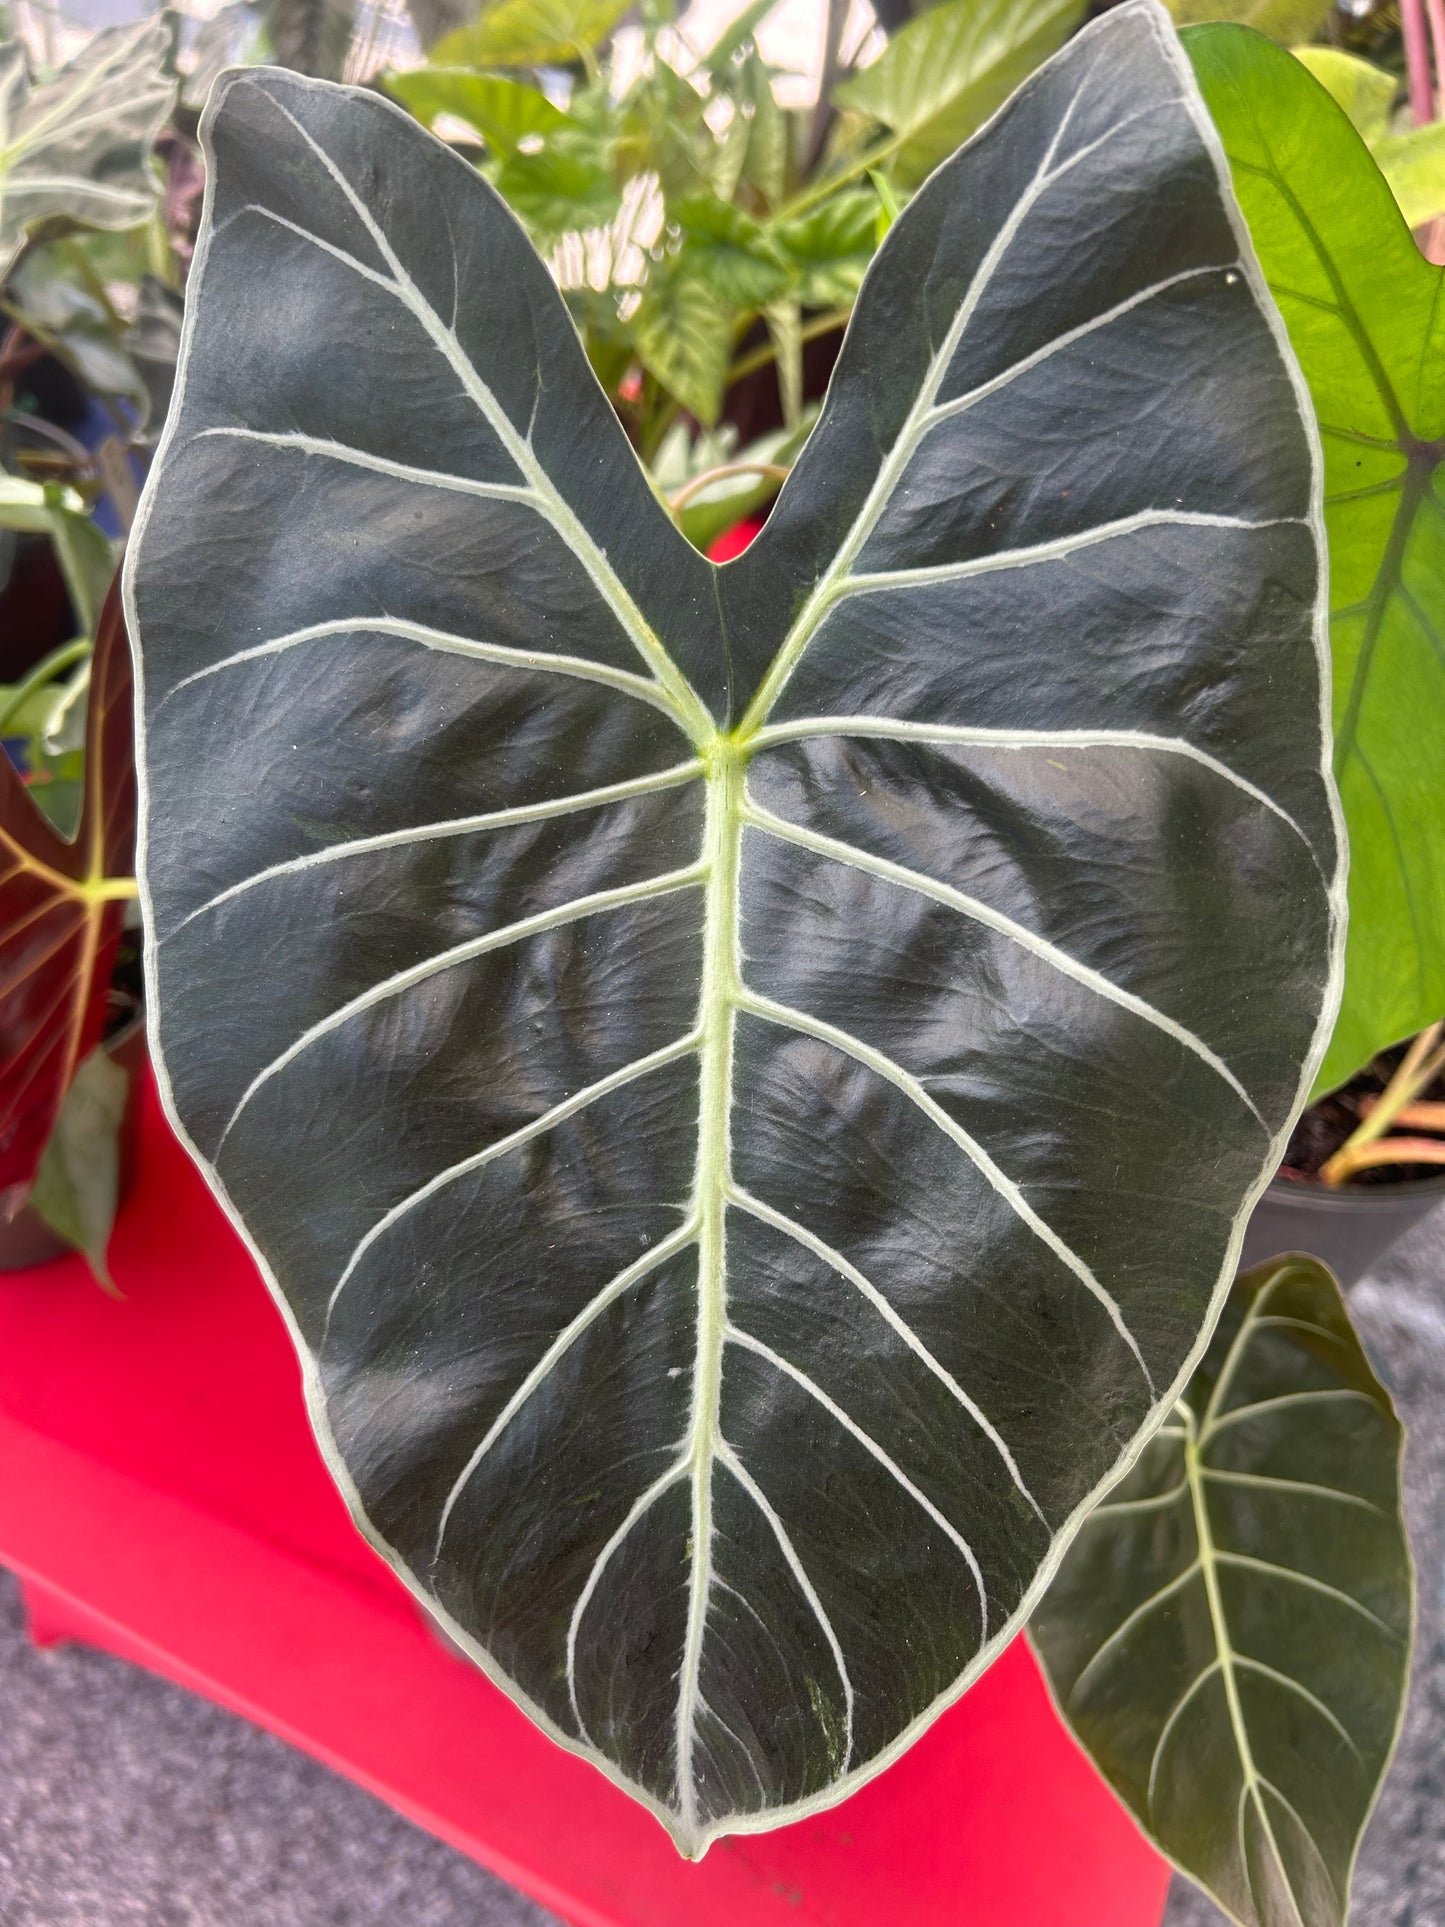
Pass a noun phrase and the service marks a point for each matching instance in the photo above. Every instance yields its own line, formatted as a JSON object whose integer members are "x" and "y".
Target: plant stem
{"x": 1416, "y": 1072}
{"x": 823, "y": 324}
{"x": 44, "y": 671}
{"x": 1435, "y": 19}
{"x": 1417, "y": 60}
{"x": 776, "y": 470}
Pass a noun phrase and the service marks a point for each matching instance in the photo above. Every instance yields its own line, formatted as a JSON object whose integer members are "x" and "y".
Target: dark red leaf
{"x": 58, "y": 925}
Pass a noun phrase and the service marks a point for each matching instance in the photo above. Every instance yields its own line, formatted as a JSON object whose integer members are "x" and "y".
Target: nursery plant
{"x": 690, "y": 1046}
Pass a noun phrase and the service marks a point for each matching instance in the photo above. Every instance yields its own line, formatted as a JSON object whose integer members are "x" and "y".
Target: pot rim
{"x": 1305, "y": 1195}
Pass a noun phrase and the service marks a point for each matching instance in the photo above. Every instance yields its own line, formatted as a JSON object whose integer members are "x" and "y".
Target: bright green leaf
{"x": 943, "y": 74}
{"x": 530, "y": 33}
{"x": 504, "y": 112}
{"x": 1366, "y": 316}
{"x": 1229, "y": 1635}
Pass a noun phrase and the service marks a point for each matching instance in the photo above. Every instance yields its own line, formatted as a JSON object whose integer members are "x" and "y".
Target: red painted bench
{"x": 161, "y": 1497}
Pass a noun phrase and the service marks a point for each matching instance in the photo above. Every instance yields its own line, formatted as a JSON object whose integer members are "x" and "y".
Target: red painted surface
{"x": 161, "y": 1497}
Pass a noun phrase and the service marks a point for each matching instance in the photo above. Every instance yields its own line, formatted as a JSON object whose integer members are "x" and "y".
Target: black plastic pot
{"x": 1349, "y": 1228}
{"x": 26, "y": 1239}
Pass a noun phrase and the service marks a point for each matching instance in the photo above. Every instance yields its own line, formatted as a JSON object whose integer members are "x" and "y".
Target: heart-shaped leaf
{"x": 61, "y": 913}
{"x": 1364, "y": 312}
{"x": 77, "y": 149}
{"x": 1229, "y": 1634}
{"x": 748, "y": 1081}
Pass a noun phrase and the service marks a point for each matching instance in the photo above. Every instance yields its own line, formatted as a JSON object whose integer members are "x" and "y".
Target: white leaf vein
{"x": 835, "y": 1261}
{"x": 792, "y": 1019}
{"x": 736, "y": 1336}
{"x": 849, "y": 854}
{"x": 403, "y": 980}
{"x": 540, "y": 661}
{"x": 519, "y": 815}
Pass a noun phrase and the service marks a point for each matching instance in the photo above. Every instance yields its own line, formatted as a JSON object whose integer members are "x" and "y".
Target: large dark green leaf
{"x": 76, "y": 150}
{"x": 747, "y": 1081}
{"x": 1364, "y": 312}
{"x": 1229, "y": 1634}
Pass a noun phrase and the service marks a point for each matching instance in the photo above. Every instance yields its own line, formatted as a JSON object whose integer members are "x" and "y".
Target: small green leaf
{"x": 830, "y": 248}
{"x": 728, "y": 252}
{"x": 943, "y": 74}
{"x": 558, "y": 192}
{"x": 1283, "y": 20}
{"x": 1229, "y": 1635}
{"x": 1363, "y": 308}
{"x": 504, "y": 112}
{"x": 77, "y": 1186}
{"x": 530, "y": 33}
{"x": 684, "y": 338}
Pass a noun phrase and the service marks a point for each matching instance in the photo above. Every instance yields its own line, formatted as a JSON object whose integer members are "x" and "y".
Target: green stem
{"x": 1416, "y": 1072}
{"x": 46, "y": 670}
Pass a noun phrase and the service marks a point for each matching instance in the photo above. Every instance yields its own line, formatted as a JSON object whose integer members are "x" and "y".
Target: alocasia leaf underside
{"x": 1364, "y": 311}
{"x": 746, "y": 1081}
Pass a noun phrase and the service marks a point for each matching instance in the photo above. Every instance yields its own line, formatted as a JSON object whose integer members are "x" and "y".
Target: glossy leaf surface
{"x": 1364, "y": 311}
{"x": 1229, "y": 1634}
{"x": 691, "y": 1046}
{"x": 77, "y": 148}
{"x": 58, "y": 925}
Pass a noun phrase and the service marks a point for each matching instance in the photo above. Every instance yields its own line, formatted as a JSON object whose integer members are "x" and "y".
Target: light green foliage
{"x": 1283, "y": 20}
{"x": 944, "y": 73}
{"x": 530, "y": 33}
{"x": 1412, "y": 159}
{"x": 1364, "y": 312}
{"x": 504, "y": 112}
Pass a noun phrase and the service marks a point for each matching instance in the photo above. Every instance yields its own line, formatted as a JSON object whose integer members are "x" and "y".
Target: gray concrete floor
{"x": 125, "y": 1802}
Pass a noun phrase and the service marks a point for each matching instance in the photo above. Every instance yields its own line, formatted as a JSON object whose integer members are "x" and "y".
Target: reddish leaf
{"x": 59, "y": 924}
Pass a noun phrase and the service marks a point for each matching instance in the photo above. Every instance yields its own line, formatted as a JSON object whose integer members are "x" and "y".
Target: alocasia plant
{"x": 746, "y": 1082}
